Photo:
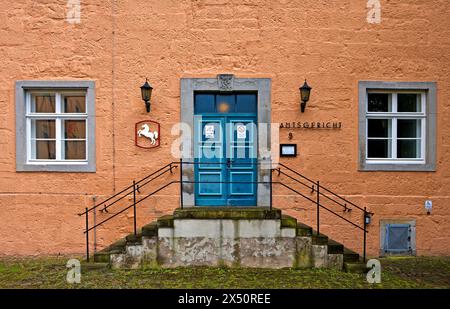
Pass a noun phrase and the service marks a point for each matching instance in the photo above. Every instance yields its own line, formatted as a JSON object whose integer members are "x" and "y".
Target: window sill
{"x": 72, "y": 167}
{"x": 56, "y": 162}
{"x": 396, "y": 167}
{"x": 393, "y": 161}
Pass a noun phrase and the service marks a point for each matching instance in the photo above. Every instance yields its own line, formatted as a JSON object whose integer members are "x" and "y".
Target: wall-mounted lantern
{"x": 146, "y": 92}
{"x": 428, "y": 206}
{"x": 368, "y": 218}
{"x": 305, "y": 91}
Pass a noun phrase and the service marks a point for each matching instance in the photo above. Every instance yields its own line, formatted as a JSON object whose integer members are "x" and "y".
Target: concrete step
{"x": 351, "y": 256}
{"x": 165, "y": 221}
{"x": 150, "y": 229}
{"x": 335, "y": 247}
{"x": 351, "y": 259}
{"x": 93, "y": 266}
{"x": 118, "y": 245}
{"x": 320, "y": 239}
{"x": 355, "y": 267}
{"x": 133, "y": 239}
{"x": 288, "y": 221}
{"x": 303, "y": 229}
{"x": 102, "y": 257}
{"x": 231, "y": 212}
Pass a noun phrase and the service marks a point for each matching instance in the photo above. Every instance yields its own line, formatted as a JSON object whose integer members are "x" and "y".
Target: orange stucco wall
{"x": 119, "y": 43}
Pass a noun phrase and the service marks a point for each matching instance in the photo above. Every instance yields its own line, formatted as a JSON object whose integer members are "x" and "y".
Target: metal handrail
{"x": 137, "y": 188}
{"x": 131, "y": 205}
{"x": 165, "y": 186}
{"x": 328, "y": 190}
{"x": 216, "y": 182}
{"x": 131, "y": 186}
{"x": 336, "y": 214}
{"x": 313, "y": 189}
{"x": 366, "y": 214}
{"x": 168, "y": 167}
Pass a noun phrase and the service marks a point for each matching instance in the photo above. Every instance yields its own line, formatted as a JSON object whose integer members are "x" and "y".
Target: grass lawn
{"x": 423, "y": 272}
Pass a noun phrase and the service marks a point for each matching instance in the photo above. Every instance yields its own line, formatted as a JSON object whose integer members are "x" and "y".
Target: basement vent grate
{"x": 398, "y": 238}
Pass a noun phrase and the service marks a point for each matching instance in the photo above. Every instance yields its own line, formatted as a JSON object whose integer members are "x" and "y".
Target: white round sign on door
{"x": 241, "y": 131}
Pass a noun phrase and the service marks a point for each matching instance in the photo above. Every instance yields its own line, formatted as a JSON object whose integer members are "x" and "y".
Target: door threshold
{"x": 227, "y": 212}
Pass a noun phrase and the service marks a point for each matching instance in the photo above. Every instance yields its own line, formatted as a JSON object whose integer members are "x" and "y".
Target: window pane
{"x": 379, "y": 127}
{"x": 74, "y": 104}
{"x": 74, "y": 129}
{"x": 43, "y": 128}
{"x": 379, "y": 102}
{"x": 75, "y": 150}
{"x": 409, "y": 102}
{"x": 43, "y": 103}
{"x": 409, "y": 128}
{"x": 246, "y": 103}
{"x": 44, "y": 150}
{"x": 408, "y": 148}
{"x": 379, "y": 148}
{"x": 204, "y": 103}
{"x": 225, "y": 103}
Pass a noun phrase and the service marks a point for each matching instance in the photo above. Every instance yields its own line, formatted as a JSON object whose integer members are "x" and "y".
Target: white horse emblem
{"x": 145, "y": 131}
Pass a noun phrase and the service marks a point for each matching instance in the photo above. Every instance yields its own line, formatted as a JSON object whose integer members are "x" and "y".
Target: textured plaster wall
{"x": 119, "y": 43}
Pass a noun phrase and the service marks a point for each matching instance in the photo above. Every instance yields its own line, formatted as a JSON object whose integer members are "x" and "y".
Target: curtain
{"x": 75, "y": 104}
{"x": 44, "y": 104}
{"x": 45, "y": 129}
{"x": 75, "y": 149}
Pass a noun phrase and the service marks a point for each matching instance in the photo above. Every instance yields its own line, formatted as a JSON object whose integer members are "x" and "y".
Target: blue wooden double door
{"x": 225, "y": 149}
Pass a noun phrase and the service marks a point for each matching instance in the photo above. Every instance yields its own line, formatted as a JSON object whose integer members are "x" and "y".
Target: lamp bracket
{"x": 302, "y": 107}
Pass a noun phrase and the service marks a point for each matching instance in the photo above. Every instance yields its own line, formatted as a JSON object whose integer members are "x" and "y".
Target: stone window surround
{"x": 21, "y": 143}
{"x": 383, "y": 224}
{"x": 430, "y": 147}
{"x": 228, "y": 84}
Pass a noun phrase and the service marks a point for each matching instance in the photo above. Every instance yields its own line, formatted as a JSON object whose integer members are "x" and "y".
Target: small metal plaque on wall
{"x": 147, "y": 134}
{"x": 288, "y": 150}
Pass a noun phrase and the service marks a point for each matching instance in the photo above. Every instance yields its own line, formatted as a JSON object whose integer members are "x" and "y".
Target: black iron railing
{"x": 114, "y": 199}
{"x": 282, "y": 169}
{"x": 329, "y": 195}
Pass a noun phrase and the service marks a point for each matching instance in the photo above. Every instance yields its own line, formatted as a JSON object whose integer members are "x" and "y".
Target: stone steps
{"x": 95, "y": 266}
{"x": 230, "y": 213}
{"x": 156, "y": 240}
{"x": 353, "y": 263}
{"x": 103, "y": 256}
{"x": 150, "y": 230}
{"x": 288, "y": 222}
{"x": 304, "y": 230}
{"x": 355, "y": 267}
{"x": 165, "y": 221}
{"x": 350, "y": 256}
{"x": 335, "y": 247}
{"x": 351, "y": 260}
{"x": 320, "y": 239}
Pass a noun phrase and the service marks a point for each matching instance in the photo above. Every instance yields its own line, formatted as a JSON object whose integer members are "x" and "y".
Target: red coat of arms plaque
{"x": 147, "y": 134}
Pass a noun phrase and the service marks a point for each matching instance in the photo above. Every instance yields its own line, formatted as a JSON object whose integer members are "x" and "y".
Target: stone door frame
{"x": 227, "y": 83}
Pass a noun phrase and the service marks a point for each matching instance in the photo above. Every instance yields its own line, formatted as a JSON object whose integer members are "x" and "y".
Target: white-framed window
{"x": 55, "y": 126}
{"x": 396, "y": 126}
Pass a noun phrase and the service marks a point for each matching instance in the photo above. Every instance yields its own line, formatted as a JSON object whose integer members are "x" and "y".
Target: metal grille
{"x": 398, "y": 237}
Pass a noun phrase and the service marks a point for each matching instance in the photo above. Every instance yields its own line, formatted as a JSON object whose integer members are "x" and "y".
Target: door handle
{"x": 229, "y": 161}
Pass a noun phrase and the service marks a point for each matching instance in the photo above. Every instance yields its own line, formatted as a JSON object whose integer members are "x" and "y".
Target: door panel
{"x": 209, "y": 154}
{"x": 225, "y": 150}
{"x": 242, "y": 168}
